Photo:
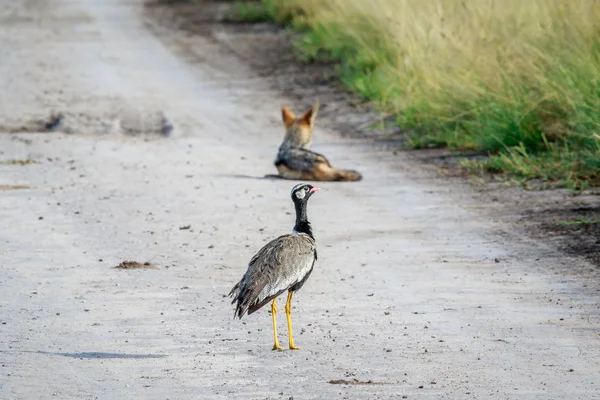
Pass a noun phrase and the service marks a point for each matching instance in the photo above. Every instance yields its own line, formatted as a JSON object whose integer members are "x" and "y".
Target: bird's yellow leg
{"x": 288, "y": 313}
{"x": 276, "y": 346}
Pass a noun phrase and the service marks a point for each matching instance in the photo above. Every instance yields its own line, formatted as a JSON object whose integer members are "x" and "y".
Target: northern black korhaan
{"x": 282, "y": 264}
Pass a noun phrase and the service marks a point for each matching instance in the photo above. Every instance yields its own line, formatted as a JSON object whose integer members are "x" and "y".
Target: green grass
{"x": 18, "y": 162}
{"x": 581, "y": 221}
{"x": 518, "y": 80}
{"x": 250, "y": 11}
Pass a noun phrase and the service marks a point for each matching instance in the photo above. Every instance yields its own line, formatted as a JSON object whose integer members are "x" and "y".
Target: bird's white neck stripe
{"x": 295, "y": 232}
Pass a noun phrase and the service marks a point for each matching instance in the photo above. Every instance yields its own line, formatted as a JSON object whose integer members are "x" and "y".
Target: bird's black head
{"x": 300, "y": 195}
{"x": 302, "y": 192}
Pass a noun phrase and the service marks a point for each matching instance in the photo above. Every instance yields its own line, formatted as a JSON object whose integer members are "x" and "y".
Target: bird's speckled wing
{"x": 280, "y": 264}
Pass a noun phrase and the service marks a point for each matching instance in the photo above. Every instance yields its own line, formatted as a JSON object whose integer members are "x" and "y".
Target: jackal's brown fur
{"x": 295, "y": 159}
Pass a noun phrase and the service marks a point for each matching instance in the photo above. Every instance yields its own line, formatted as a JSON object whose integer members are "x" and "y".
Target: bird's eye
{"x": 306, "y": 188}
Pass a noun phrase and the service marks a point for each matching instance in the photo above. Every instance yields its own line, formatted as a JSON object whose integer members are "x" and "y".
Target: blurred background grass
{"x": 519, "y": 80}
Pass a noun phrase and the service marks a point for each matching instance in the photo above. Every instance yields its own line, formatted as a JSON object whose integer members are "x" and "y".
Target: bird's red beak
{"x": 314, "y": 189}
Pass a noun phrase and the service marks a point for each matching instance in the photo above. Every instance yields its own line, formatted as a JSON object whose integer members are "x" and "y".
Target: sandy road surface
{"x": 414, "y": 289}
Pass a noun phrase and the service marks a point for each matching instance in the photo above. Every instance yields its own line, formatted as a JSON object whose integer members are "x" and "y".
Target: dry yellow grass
{"x": 507, "y": 76}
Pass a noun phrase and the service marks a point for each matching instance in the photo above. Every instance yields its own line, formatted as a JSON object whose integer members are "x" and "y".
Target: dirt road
{"x": 415, "y": 294}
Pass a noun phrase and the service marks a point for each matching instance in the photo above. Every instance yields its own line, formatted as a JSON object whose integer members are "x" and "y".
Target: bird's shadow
{"x": 91, "y": 354}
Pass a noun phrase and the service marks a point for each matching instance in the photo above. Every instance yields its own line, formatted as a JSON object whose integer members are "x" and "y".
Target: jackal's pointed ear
{"x": 309, "y": 116}
{"x": 288, "y": 116}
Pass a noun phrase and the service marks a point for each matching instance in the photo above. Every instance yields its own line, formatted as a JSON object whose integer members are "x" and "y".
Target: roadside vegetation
{"x": 518, "y": 80}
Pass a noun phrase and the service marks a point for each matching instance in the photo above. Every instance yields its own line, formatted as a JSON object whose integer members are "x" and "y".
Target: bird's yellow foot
{"x": 278, "y": 347}
{"x": 292, "y": 347}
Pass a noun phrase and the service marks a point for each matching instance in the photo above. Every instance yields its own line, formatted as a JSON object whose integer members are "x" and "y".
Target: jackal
{"x": 295, "y": 159}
